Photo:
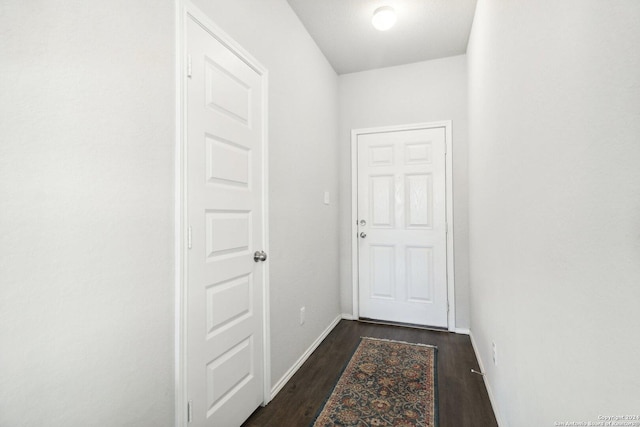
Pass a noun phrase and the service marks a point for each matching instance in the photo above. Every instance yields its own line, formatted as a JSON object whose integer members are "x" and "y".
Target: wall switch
{"x": 326, "y": 197}
{"x": 495, "y": 354}
{"x": 302, "y": 311}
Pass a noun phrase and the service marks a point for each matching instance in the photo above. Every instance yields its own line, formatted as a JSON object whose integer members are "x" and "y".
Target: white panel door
{"x": 224, "y": 187}
{"x": 402, "y": 252}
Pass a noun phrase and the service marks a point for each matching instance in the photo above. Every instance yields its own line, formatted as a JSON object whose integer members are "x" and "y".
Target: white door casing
{"x": 225, "y": 216}
{"x": 401, "y": 239}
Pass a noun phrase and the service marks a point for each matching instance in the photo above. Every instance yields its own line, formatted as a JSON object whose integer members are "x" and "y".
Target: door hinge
{"x": 189, "y": 413}
{"x": 189, "y": 66}
{"x": 189, "y": 237}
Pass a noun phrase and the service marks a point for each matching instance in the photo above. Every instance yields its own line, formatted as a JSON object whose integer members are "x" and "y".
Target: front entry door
{"x": 402, "y": 252}
{"x": 225, "y": 216}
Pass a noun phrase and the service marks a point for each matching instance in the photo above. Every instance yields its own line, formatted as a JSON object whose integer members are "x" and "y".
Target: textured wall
{"x": 554, "y": 93}
{"x": 416, "y": 93}
{"x": 86, "y": 218}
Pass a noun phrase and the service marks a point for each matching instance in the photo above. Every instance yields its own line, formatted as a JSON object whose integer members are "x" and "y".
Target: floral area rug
{"x": 386, "y": 383}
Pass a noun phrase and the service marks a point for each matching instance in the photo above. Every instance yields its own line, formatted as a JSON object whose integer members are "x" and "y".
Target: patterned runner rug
{"x": 386, "y": 383}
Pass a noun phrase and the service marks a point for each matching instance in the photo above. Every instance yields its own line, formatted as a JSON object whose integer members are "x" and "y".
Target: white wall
{"x": 554, "y": 178}
{"x": 303, "y": 102}
{"x": 87, "y": 182}
{"x": 416, "y": 93}
{"x": 86, "y": 218}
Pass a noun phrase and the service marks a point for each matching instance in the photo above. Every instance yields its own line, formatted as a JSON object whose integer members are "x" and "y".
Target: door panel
{"x": 224, "y": 210}
{"x": 382, "y": 208}
{"x": 402, "y": 213}
{"x": 383, "y": 276}
{"x": 419, "y": 201}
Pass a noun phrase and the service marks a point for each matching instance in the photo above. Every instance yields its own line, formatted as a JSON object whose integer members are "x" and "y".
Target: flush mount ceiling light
{"x": 383, "y": 18}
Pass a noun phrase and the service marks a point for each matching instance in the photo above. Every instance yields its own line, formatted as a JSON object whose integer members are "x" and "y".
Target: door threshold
{"x": 402, "y": 325}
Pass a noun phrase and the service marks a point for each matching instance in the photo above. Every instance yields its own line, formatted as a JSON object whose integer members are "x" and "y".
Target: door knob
{"x": 363, "y": 234}
{"x": 259, "y": 256}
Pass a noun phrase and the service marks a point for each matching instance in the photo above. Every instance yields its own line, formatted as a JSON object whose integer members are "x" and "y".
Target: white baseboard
{"x": 486, "y": 381}
{"x": 462, "y": 331}
{"x": 291, "y": 372}
{"x": 347, "y": 316}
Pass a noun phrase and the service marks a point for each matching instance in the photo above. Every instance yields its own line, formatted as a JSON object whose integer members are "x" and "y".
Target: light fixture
{"x": 383, "y": 18}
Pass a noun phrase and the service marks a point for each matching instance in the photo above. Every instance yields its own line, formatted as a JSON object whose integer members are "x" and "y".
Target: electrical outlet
{"x": 302, "y": 312}
{"x": 495, "y": 353}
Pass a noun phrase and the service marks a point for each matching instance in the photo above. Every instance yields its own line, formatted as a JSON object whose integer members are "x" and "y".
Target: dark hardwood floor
{"x": 463, "y": 399}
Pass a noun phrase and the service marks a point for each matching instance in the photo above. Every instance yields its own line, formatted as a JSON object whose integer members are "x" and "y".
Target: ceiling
{"x": 426, "y": 29}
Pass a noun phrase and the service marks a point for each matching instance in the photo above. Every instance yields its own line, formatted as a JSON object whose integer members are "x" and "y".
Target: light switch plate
{"x": 326, "y": 197}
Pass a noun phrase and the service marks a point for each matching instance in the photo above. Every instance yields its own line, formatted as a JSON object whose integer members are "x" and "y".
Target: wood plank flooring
{"x": 463, "y": 399}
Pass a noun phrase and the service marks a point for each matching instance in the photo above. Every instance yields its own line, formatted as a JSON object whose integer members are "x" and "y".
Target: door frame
{"x": 185, "y": 10}
{"x": 446, "y": 124}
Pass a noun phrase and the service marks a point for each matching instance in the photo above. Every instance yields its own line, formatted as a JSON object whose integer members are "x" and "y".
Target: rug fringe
{"x": 400, "y": 342}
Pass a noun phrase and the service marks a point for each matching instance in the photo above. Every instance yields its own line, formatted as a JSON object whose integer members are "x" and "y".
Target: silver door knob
{"x": 260, "y": 256}
{"x": 363, "y": 234}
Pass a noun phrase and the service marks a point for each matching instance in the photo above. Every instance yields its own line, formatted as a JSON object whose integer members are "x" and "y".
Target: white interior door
{"x": 224, "y": 188}
{"x": 402, "y": 226}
